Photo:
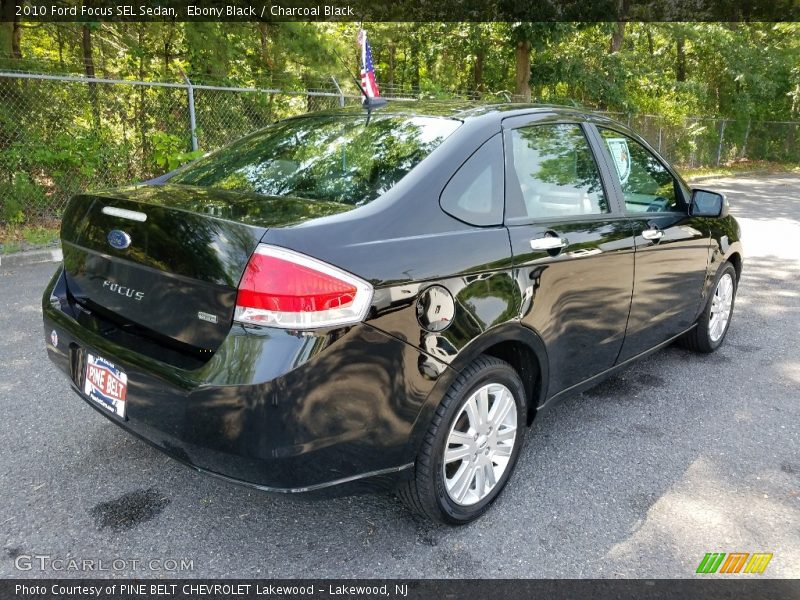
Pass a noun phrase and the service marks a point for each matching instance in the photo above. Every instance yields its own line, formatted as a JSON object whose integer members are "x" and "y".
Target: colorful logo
{"x": 736, "y": 562}
{"x": 118, "y": 239}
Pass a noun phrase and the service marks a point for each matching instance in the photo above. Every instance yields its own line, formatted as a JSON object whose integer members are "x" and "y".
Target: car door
{"x": 572, "y": 248}
{"x": 672, "y": 248}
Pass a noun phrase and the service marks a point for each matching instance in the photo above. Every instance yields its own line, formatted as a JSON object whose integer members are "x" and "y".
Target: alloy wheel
{"x": 480, "y": 444}
{"x": 721, "y": 305}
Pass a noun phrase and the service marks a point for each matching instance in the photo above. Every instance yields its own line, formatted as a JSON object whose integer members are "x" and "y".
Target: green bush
{"x": 20, "y": 197}
{"x": 12, "y": 209}
{"x": 167, "y": 151}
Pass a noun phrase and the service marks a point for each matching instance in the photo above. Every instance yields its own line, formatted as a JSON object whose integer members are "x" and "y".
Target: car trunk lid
{"x": 167, "y": 259}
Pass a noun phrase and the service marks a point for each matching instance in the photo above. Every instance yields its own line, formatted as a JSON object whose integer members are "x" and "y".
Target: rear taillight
{"x": 282, "y": 288}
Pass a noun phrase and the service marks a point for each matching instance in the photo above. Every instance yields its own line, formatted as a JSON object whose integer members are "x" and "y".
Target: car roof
{"x": 479, "y": 114}
{"x": 461, "y": 110}
{"x": 485, "y": 113}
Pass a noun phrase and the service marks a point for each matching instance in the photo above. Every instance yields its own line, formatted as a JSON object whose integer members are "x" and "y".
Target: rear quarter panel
{"x": 402, "y": 243}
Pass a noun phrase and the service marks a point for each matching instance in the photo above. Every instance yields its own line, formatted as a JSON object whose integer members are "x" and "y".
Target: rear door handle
{"x": 548, "y": 243}
{"x": 652, "y": 234}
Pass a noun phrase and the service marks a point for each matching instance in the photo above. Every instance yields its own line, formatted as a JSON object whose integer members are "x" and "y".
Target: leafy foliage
{"x": 168, "y": 153}
{"x": 57, "y": 138}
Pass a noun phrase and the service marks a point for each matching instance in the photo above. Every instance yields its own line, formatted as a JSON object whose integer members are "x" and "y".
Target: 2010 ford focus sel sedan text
{"x": 339, "y": 303}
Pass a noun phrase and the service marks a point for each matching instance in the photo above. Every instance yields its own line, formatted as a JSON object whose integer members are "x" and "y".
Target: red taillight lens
{"x": 279, "y": 285}
{"x": 282, "y": 288}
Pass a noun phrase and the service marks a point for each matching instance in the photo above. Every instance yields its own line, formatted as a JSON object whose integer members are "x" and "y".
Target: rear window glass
{"x": 328, "y": 158}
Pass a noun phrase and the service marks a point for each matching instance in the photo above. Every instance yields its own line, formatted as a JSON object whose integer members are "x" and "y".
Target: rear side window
{"x": 555, "y": 173}
{"x": 328, "y": 158}
{"x": 475, "y": 193}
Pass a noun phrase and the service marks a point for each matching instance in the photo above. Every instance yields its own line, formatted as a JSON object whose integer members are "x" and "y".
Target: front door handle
{"x": 652, "y": 234}
{"x": 548, "y": 243}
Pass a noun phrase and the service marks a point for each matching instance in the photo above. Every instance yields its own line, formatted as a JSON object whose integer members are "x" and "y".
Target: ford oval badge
{"x": 118, "y": 239}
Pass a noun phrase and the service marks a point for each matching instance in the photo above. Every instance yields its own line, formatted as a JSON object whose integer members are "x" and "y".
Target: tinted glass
{"x": 475, "y": 193}
{"x": 646, "y": 183}
{"x": 331, "y": 158}
{"x": 556, "y": 173}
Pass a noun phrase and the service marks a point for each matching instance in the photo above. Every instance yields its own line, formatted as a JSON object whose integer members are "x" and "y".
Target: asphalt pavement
{"x": 679, "y": 455}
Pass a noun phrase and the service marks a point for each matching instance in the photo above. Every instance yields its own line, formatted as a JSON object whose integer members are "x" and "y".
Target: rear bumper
{"x": 278, "y": 410}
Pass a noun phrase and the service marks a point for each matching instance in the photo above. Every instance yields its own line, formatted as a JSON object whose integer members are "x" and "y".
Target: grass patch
{"x": 744, "y": 166}
{"x": 39, "y": 236}
{"x": 10, "y": 247}
{"x": 16, "y": 238}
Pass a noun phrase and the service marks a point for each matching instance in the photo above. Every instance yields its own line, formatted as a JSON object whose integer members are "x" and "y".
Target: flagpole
{"x": 358, "y": 37}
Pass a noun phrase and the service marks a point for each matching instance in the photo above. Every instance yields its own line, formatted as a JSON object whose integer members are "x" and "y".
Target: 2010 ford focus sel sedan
{"x": 341, "y": 303}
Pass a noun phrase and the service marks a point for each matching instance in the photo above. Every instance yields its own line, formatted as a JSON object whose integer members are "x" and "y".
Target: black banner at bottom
{"x": 396, "y": 589}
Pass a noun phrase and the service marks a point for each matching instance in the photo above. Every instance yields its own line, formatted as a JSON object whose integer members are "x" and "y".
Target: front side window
{"x": 556, "y": 174}
{"x": 646, "y": 184}
{"x": 330, "y": 158}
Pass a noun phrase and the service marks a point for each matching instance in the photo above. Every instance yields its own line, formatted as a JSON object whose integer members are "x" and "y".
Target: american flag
{"x": 367, "y": 69}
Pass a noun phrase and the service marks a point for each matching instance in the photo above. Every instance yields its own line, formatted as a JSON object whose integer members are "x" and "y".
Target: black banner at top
{"x": 402, "y": 10}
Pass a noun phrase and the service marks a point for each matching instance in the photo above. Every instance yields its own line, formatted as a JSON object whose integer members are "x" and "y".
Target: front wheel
{"x": 471, "y": 446}
{"x": 712, "y": 326}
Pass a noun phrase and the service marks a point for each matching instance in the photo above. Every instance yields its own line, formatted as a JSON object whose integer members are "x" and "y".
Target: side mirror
{"x": 706, "y": 203}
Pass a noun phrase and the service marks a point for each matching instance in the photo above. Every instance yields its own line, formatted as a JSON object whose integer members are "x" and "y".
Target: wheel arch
{"x": 720, "y": 254}
{"x": 523, "y": 349}
{"x": 526, "y": 363}
{"x": 735, "y": 258}
{"x": 513, "y": 342}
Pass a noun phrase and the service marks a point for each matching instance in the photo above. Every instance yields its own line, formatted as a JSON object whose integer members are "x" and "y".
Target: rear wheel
{"x": 712, "y": 326}
{"x": 471, "y": 446}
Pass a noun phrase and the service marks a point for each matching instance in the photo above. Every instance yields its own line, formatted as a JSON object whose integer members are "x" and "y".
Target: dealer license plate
{"x": 106, "y": 384}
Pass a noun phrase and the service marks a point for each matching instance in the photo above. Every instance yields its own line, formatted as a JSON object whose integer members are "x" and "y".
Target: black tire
{"x": 426, "y": 494}
{"x": 699, "y": 338}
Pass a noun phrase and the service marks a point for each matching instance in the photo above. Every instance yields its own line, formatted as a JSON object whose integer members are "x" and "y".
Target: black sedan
{"x": 339, "y": 303}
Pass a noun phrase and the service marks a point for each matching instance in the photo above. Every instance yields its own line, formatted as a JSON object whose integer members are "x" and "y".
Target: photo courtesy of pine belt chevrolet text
{"x": 384, "y": 299}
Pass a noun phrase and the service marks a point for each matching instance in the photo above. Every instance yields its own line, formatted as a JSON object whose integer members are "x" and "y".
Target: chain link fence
{"x": 60, "y": 135}
{"x": 63, "y": 134}
{"x": 704, "y": 141}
